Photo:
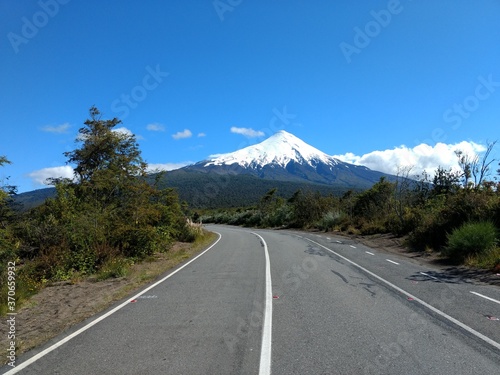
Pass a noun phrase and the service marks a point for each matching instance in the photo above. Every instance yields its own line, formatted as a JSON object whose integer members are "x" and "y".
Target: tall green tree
{"x": 109, "y": 209}
{"x": 108, "y": 161}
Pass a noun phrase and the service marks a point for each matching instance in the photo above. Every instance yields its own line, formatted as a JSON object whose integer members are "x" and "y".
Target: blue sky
{"x": 369, "y": 81}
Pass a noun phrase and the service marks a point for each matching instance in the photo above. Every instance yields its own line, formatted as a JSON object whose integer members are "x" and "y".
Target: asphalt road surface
{"x": 285, "y": 302}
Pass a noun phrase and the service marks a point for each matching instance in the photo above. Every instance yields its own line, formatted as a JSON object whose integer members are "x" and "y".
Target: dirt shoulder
{"x": 60, "y": 305}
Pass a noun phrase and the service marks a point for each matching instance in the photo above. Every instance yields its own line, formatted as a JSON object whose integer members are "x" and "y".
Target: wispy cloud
{"x": 186, "y": 133}
{"x": 152, "y": 167}
{"x": 421, "y": 157}
{"x": 200, "y": 135}
{"x": 58, "y": 129}
{"x": 247, "y": 132}
{"x": 40, "y": 176}
{"x": 155, "y": 127}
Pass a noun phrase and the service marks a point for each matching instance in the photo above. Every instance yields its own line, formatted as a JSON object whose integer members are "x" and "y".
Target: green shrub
{"x": 114, "y": 268}
{"x": 330, "y": 220}
{"x": 471, "y": 239}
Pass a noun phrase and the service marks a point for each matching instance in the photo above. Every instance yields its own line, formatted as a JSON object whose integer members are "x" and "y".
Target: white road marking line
{"x": 369, "y": 253}
{"x": 425, "y": 274}
{"x": 102, "y": 317}
{"x": 352, "y": 246}
{"x": 416, "y": 299}
{"x": 338, "y": 241}
{"x": 328, "y": 238}
{"x": 267, "y": 327}
{"x": 391, "y": 261}
{"x": 488, "y": 298}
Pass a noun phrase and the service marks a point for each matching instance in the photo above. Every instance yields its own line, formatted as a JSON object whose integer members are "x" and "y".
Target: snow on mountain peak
{"x": 281, "y": 148}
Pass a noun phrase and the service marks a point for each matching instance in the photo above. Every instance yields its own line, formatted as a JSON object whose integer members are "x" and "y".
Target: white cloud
{"x": 201, "y": 135}
{"x": 183, "y": 134}
{"x": 123, "y": 130}
{"x": 247, "y": 132}
{"x": 421, "y": 157}
{"x": 155, "y": 127}
{"x": 59, "y": 129}
{"x": 40, "y": 176}
{"x": 152, "y": 167}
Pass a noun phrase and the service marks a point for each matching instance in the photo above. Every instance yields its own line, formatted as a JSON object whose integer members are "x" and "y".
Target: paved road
{"x": 289, "y": 303}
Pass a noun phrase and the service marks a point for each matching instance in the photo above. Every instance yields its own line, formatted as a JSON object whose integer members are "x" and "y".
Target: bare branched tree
{"x": 475, "y": 169}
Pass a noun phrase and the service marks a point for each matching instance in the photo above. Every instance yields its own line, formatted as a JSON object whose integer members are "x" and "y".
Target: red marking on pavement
{"x": 492, "y": 317}
{"x": 276, "y": 297}
{"x": 410, "y": 299}
{"x": 133, "y": 301}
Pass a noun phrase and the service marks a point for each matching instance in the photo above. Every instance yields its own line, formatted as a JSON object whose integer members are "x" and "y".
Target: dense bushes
{"x": 425, "y": 213}
{"x": 102, "y": 221}
{"x": 471, "y": 239}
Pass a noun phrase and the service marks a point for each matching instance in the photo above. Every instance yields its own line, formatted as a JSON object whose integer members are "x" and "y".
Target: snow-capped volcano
{"x": 285, "y": 157}
{"x": 279, "y": 150}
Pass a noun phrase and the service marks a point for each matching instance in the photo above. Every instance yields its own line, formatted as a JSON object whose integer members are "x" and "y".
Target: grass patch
{"x": 114, "y": 268}
{"x": 489, "y": 259}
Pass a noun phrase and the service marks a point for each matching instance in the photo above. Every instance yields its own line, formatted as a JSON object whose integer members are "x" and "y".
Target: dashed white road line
{"x": 415, "y": 298}
{"x": 369, "y": 253}
{"x": 488, "y": 298}
{"x": 352, "y": 246}
{"x": 338, "y": 241}
{"x": 393, "y": 262}
{"x": 267, "y": 327}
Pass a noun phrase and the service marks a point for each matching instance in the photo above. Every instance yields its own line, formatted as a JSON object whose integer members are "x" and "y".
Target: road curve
{"x": 286, "y": 302}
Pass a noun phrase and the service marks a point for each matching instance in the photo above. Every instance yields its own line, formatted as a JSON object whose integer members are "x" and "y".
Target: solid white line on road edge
{"x": 488, "y": 298}
{"x": 102, "y": 317}
{"x": 393, "y": 262}
{"x": 267, "y": 328}
{"x": 416, "y": 299}
{"x": 432, "y": 277}
{"x": 369, "y": 253}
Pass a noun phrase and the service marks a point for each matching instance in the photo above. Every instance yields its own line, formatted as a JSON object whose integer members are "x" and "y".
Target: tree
{"x": 107, "y": 160}
{"x": 6, "y": 192}
{"x": 307, "y": 208}
{"x": 475, "y": 167}
{"x": 445, "y": 182}
{"x": 374, "y": 202}
{"x": 109, "y": 209}
{"x": 404, "y": 195}
{"x": 8, "y": 244}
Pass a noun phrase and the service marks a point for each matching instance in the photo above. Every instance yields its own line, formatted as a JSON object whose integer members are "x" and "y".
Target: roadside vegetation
{"x": 112, "y": 215}
{"x": 107, "y": 218}
{"x": 454, "y": 214}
